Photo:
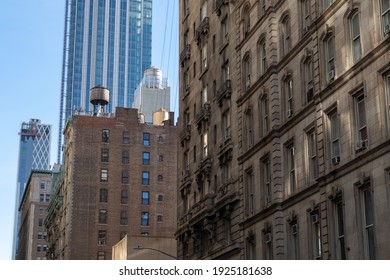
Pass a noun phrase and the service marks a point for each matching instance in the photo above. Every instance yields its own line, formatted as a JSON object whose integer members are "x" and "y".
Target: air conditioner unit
{"x": 386, "y": 30}
{"x": 289, "y": 113}
{"x": 331, "y": 75}
{"x": 336, "y": 160}
{"x": 267, "y": 237}
{"x": 314, "y": 218}
{"x": 361, "y": 145}
{"x": 305, "y": 29}
{"x": 294, "y": 229}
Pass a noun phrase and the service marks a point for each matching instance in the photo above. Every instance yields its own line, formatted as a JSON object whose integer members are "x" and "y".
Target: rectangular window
{"x": 316, "y": 243}
{"x": 330, "y": 69}
{"x": 205, "y": 145}
{"x": 159, "y": 218}
{"x": 367, "y": 212}
{"x": 103, "y": 175}
{"x": 145, "y": 178}
{"x": 264, "y": 115}
{"x": 145, "y": 158}
{"x": 268, "y": 245}
{"x": 312, "y": 154}
{"x": 293, "y": 240}
{"x": 226, "y": 125}
{"x": 39, "y": 248}
{"x": 146, "y": 139}
{"x": 266, "y": 180}
{"x": 102, "y": 238}
{"x": 289, "y": 97}
{"x": 40, "y": 222}
{"x": 291, "y": 183}
{"x": 224, "y": 31}
{"x": 125, "y": 177}
{"x": 250, "y": 192}
{"x": 124, "y": 197}
{"x": 126, "y": 137}
{"x": 160, "y": 158}
{"x": 305, "y": 15}
{"x": 42, "y": 185}
{"x": 160, "y": 197}
{"x": 334, "y": 136}
{"x": 286, "y": 35}
{"x": 385, "y": 10}
{"x": 251, "y": 247}
{"x": 47, "y": 198}
{"x": 361, "y": 121}
{"x": 123, "y": 218}
{"x": 125, "y": 157}
{"x": 41, "y": 197}
{"x": 105, "y": 135}
{"x": 309, "y": 80}
{"x": 145, "y": 198}
{"x": 103, "y": 195}
{"x": 339, "y": 228}
{"x": 102, "y": 216}
{"x": 355, "y": 36}
{"x": 39, "y": 235}
{"x": 104, "y": 155}
{"x": 145, "y": 219}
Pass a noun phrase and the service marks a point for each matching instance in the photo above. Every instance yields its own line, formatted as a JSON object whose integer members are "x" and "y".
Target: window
{"x": 250, "y": 191}
{"x": 160, "y": 158}
{"x": 145, "y": 178}
{"x": 105, "y": 135}
{"x": 125, "y": 177}
{"x": 102, "y": 238}
{"x": 104, "y": 155}
{"x": 316, "y": 244}
{"x": 286, "y": 35}
{"x": 312, "y": 154}
{"x": 103, "y": 175}
{"x": 203, "y": 55}
{"x": 160, "y": 178}
{"x": 334, "y": 140}
{"x": 251, "y": 247}
{"x": 204, "y": 95}
{"x": 204, "y": 145}
{"x": 103, "y": 195}
{"x": 361, "y": 122}
{"x": 101, "y": 255}
{"x": 124, "y": 197}
{"x": 339, "y": 228}
{"x": 42, "y": 185}
{"x": 385, "y": 10}
{"x": 355, "y": 37}
{"x": 39, "y": 248}
{"x": 246, "y": 24}
{"x": 247, "y": 71}
{"x": 308, "y": 71}
{"x": 268, "y": 245}
{"x": 160, "y": 139}
{"x": 102, "y": 216}
{"x": 41, "y": 197}
{"x": 125, "y": 137}
{"x": 146, "y": 139}
{"x": 293, "y": 240}
{"x": 291, "y": 182}
{"x": 329, "y": 56}
{"x": 123, "y": 218}
{"x": 125, "y": 157}
{"x": 145, "y": 158}
{"x": 39, "y": 237}
{"x": 160, "y": 197}
{"x": 249, "y": 127}
{"x": 40, "y": 222}
{"x": 47, "y": 198}
{"x": 261, "y": 57}
{"x": 266, "y": 180}
{"x": 159, "y": 218}
{"x": 264, "y": 115}
{"x": 145, "y": 219}
{"x": 288, "y": 87}
{"x": 367, "y": 216}
{"x": 226, "y": 125}
{"x": 145, "y": 198}
{"x": 305, "y": 15}
{"x": 225, "y": 31}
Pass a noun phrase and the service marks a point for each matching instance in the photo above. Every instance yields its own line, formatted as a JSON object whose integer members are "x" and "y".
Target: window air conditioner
{"x": 361, "y": 145}
{"x": 331, "y": 75}
{"x": 386, "y": 30}
{"x": 335, "y": 160}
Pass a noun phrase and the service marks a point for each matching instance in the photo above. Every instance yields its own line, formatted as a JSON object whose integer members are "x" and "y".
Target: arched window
{"x": 261, "y": 56}
{"x": 247, "y": 71}
{"x": 286, "y": 35}
{"x": 355, "y": 36}
{"x": 246, "y": 24}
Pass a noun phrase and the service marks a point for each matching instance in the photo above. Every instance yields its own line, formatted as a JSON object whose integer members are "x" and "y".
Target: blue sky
{"x": 30, "y": 80}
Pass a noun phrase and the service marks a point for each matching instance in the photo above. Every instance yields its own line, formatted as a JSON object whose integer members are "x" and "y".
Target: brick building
{"x": 118, "y": 177}
{"x": 284, "y": 129}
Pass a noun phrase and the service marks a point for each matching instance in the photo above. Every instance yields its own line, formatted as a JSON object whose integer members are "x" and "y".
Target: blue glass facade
{"x": 108, "y": 43}
{"x": 34, "y": 153}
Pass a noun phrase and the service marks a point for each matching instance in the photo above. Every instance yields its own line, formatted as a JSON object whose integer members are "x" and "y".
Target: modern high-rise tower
{"x": 107, "y": 43}
{"x": 34, "y": 154}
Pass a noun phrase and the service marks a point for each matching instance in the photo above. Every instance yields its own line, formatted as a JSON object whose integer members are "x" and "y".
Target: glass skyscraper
{"x": 34, "y": 154}
{"x": 106, "y": 43}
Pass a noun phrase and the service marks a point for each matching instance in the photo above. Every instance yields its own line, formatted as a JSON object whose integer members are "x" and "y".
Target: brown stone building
{"x": 33, "y": 211}
{"x": 284, "y": 129}
{"x": 118, "y": 177}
